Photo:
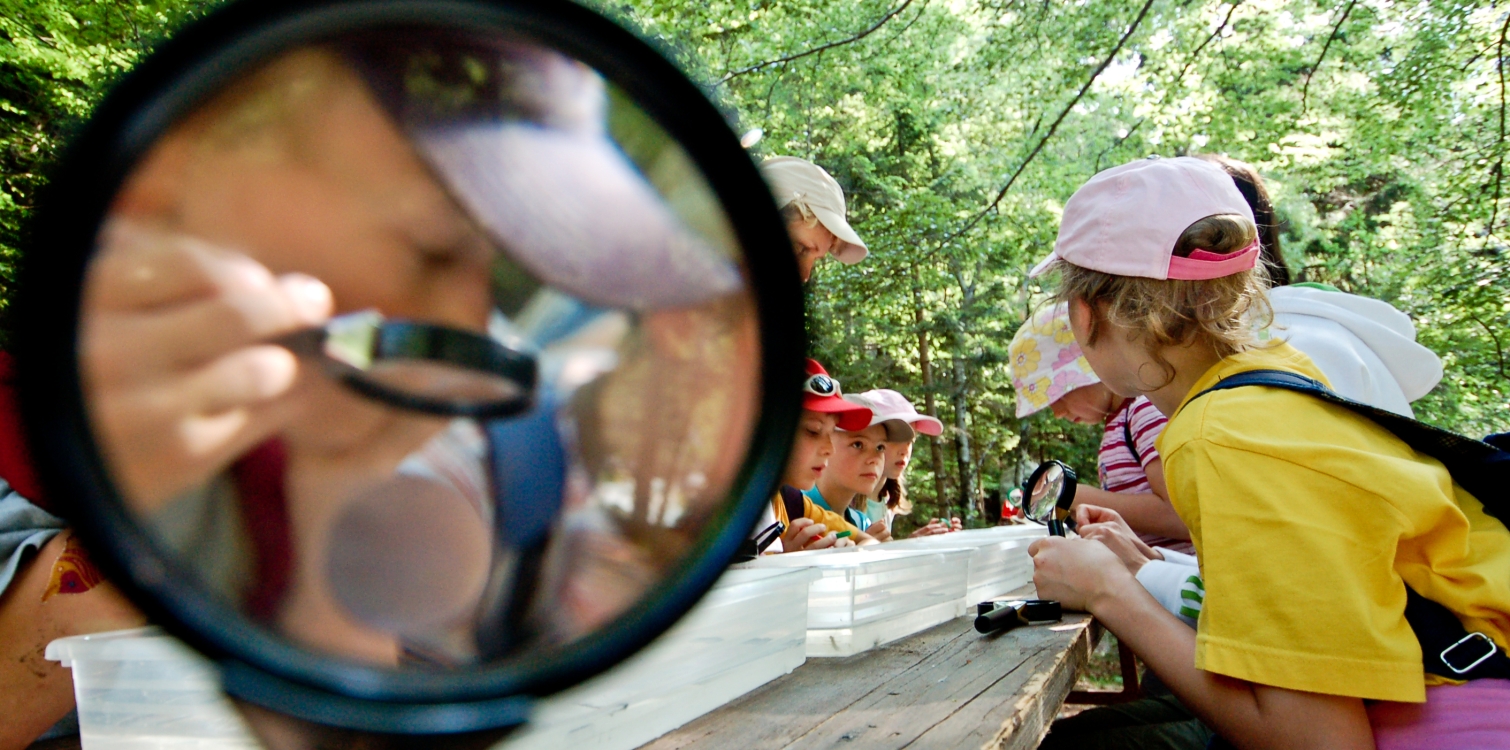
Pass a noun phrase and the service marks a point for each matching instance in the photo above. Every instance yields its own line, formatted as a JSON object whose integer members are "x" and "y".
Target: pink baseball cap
{"x": 1126, "y": 220}
{"x": 894, "y": 410}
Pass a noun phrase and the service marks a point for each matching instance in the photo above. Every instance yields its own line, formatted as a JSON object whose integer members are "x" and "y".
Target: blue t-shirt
{"x": 856, "y": 517}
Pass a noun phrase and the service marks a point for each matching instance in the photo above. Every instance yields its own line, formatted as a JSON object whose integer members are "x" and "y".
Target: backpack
{"x": 1480, "y": 467}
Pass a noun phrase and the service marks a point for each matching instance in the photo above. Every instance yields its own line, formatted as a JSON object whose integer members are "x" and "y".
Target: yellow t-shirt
{"x": 833, "y": 521}
{"x": 1309, "y": 520}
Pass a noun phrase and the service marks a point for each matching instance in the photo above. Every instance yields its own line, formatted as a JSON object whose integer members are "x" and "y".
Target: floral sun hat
{"x": 1046, "y": 362}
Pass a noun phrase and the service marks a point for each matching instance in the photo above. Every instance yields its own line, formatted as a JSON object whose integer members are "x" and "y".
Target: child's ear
{"x": 1083, "y": 321}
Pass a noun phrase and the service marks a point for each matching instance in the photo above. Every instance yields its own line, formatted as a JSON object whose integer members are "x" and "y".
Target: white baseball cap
{"x": 801, "y": 181}
{"x": 898, "y": 414}
{"x": 1126, "y": 220}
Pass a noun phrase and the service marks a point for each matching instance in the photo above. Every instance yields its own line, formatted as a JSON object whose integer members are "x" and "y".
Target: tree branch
{"x": 1499, "y": 351}
{"x": 1189, "y": 61}
{"x": 1499, "y": 146}
{"x": 820, "y": 48}
{"x": 1052, "y": 129}
{"x": 1305, "y": 90}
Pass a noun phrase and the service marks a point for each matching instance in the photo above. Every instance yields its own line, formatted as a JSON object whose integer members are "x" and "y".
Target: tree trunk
{"x": 930, "y": 405}
{"x": 962, "y": 437}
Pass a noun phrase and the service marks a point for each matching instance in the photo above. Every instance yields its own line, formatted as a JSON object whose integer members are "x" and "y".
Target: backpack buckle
{"x": 1465, "y": 641}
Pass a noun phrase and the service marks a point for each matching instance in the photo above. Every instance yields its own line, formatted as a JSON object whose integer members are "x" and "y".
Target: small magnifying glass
{"x": 1049, "y": 493}
{"x": 420, "y": 366}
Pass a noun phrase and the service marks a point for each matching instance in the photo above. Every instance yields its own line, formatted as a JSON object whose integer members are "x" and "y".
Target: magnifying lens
{"x": 410, "y": 359}
{"x": 1049, "y": 492}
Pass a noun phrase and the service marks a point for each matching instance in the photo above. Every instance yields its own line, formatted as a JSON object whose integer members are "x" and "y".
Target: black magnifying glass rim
{"x": 1066, "y": 492}
{"x": 258, "y": 665}
{"x": 397, "y": 341}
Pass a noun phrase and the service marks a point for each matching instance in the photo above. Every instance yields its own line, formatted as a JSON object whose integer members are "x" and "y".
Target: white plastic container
{"x": 999, "y": 561}
{"x": 867, "y": 598}
{"x": 142, "y": 690}
{"x": 749, "y": 630}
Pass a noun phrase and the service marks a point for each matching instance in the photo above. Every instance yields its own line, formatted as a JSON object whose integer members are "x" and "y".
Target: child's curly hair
{"x": 1225, "y": 313}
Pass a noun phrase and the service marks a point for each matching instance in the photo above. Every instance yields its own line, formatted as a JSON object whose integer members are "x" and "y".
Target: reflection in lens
{"x": 1046, "y": 493}
{"x": 538, "y": 238}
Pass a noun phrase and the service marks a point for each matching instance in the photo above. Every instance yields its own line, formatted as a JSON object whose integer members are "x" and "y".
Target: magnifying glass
{"x": 556, "y": 386}
{"x": 1050, "y": 491}
{"x": 420, "y": 366}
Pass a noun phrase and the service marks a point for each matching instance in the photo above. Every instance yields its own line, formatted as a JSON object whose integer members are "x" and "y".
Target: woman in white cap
{"x": 813, "y": 205}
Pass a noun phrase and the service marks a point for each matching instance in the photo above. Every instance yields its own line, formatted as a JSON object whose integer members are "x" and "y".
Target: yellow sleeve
{"x": 833, "y": 521}
{"x": 1301, "y": 591}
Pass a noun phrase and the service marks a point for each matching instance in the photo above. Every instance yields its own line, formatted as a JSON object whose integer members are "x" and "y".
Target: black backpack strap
{"x": 791, "y": 497}
{"x": 1127, "y": 435}
{"x": 1447, "y": 649}
{"x": 1479, "y": 467}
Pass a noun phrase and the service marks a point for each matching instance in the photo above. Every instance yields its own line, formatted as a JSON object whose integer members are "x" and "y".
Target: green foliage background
{"x": 1380, "y": 126}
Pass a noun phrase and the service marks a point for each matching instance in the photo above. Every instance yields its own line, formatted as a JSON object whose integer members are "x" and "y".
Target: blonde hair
{"x": 1224, "y": 313}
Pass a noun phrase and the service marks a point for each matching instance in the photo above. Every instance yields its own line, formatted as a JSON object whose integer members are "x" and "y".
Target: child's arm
{"x": 1083, "y": 574}
{"x": 1145, "y": 512}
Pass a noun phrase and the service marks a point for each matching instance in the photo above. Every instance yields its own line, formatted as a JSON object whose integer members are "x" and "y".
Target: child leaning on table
{"x": 1048, "y": 369}
{"x": 1157, "y": 263}
{"x": 824, "y": 409}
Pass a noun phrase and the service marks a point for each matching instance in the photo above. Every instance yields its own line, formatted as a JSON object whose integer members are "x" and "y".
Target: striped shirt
{"x": 1123, "y": 471}
{"x": 1119, "y": 469}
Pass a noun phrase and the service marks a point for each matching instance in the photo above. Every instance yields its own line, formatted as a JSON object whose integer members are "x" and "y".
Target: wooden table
{"x": 947, "y": 687}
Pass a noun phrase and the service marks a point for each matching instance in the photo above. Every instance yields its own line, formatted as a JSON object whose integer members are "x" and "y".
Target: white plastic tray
{"x": 749, "y": 630}
{"x": 142, "y": 690}
{"x": 876, "y": 595}
{"x": 999, "y": 561}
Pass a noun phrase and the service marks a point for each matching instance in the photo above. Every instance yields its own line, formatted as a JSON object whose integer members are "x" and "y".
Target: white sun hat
{"x": 799, "y": 181}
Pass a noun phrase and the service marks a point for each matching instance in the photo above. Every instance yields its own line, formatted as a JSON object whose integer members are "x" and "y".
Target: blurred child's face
{"x": 1088, "y": 404}
{"x": 1118, "y": 360}
{"x": 811, "y": 243}
{"x": 811, "y": 450}
{"x": 898, "y": 455}
{"x": 859, "y": 459}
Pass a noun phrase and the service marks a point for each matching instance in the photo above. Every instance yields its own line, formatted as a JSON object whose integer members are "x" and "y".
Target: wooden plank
{"x": 1015, "y": 712}
{"x": 945, "y": 687}
{"x": 779, "y": 713}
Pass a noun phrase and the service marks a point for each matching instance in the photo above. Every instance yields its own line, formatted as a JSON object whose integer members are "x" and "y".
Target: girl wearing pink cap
{"x": 889, "y": 498}
{"x": 1311, "y": 522}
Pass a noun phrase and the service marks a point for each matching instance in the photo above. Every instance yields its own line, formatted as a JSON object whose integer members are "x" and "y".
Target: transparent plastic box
{"x": 999, "y": 561}
{"x": 873, "y": 596}
{"x": 749, "y": 630}
{"x": 142, "y": 690}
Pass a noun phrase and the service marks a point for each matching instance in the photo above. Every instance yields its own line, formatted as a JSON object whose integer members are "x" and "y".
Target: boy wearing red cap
{"x": 823, "y": 410}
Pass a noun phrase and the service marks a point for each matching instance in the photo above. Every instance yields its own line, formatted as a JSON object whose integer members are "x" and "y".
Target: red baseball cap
{"x": 821, "y": 393}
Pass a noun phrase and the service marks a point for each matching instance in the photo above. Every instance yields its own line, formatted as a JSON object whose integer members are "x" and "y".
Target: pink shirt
{"x": 1122, "y": 471}
{"x": 1474, "y": 716}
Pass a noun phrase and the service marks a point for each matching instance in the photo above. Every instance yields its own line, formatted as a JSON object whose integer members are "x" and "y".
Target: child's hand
{"x": 1082, "y": 574}
{"x": 1087, "y": 516}
{"x": 1119, "y": 539}
{"x": 934, "y": 527}
{"x": 807, "y": 534}
{"x": 879, "y": 531}
{"x": 955, "y": 525}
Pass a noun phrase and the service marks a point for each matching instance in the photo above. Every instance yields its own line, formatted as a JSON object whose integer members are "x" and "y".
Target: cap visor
{"x": 851, "y": 416}
{"x": 928, "y": 426}
{"x": 899, "y": 431}
{"x": 1043, "y": 265}
{"x": 573, "y": 211}
{"x": 851, "y": 248}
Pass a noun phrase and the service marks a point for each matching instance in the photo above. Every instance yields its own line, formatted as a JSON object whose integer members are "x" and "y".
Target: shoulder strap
{"x": 1127, "y": 435}
{"x": 791, "y": 497}
{"x": 1447, "y": 649}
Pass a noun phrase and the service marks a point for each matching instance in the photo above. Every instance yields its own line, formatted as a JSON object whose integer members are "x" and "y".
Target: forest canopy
{"x": 958, "y": 128}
